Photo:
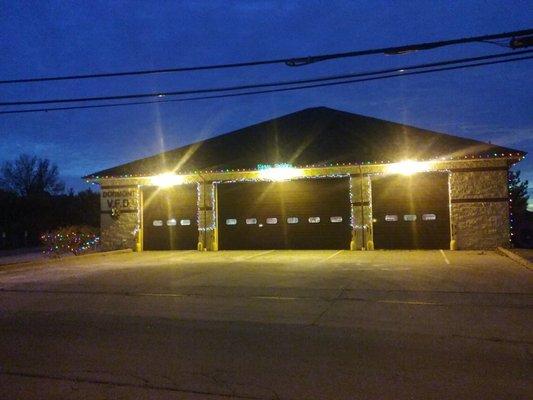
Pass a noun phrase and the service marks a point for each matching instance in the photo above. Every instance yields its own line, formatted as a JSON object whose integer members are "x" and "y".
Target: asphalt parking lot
{"x": 268, "y": 324}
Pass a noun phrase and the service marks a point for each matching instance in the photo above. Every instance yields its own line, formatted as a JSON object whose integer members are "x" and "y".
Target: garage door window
{"x": 292, "y": 220}
{"x": 409, "y": 217}
{"x": 157, "y": 222}
{"x": 314, "y": 220}
{"x": 335, "y": 220}
{"x": 391, "y": 218}
{"x": 185, "y": 222}
{"x": 429, "y": 217}
{"x": 251, "y": 221}
{"x": 271, "y": 221}
{"x": 231, "y": 221}
{"x": 171, "y": 222}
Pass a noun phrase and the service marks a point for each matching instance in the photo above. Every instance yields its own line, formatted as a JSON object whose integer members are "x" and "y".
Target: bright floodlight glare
{"x": 279, "y": 173}
{"x": 408, "y": 167}
{"x": 167, "y": 179}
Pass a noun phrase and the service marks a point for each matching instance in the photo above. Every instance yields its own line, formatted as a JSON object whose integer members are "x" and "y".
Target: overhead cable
{"x": 261, "y": 85}
{"x": 398, "y": 74}
{"x": 291, "y": 61}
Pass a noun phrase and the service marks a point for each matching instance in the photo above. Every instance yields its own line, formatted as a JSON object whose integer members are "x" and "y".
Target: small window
{"x": 409, "y": 217}
{"x": 171, "y": 222}
{"x": 429, "y": 217}
{"x": 157, "y": 222}
{"x": 272, "y": 221}
{"x": 292, "y": 220}
{"x": 335, "y": 220}
{"x": 314, "y": 220}
{"x": 185, "y": 222}
{"x": 251, "y": 221}
{"x": 391, "y": 218}
{"x": 231, "y": 221}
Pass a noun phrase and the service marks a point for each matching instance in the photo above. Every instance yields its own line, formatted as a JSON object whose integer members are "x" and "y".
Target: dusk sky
{"x": 48, "y": 38}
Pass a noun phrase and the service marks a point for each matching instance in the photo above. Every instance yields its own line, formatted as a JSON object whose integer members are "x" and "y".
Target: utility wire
{"x": 301, "y": 87}
{"x": 496, "y": 43}
{"x": 292, "y": 62}
{"x": 262, "y": 85}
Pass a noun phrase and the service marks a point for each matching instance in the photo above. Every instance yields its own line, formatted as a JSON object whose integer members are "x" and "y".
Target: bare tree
{"x": 30, "y": 175}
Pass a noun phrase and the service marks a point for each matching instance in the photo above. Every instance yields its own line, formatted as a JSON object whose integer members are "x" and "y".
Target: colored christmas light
{"x": 67, "y": 240}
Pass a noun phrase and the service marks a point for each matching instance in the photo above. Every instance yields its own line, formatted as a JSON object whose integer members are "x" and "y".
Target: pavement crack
{"x": 494, "y": 339}
{"x": 95, "y": 381}
{"x": 330, "y": 305}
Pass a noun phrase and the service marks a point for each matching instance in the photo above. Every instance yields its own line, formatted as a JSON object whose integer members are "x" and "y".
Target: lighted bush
{"x": 70, "y": 239}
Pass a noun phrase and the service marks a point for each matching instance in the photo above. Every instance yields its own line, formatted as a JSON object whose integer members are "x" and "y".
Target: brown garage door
{"x": 300, "y": 214}
{"x": 411, "y": 212}
{"x": 170, "y": 218}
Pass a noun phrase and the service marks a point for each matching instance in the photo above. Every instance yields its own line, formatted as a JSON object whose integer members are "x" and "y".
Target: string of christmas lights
{"x": 520, "y": 157}
{"x": 212, "y": 225}
{"x": 64, "y": 241}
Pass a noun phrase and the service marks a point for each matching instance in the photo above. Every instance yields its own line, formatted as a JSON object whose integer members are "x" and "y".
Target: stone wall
{"x": 479, "y": 209}
{"x": 118, "y": 233}
{"x": 119, "y": 216}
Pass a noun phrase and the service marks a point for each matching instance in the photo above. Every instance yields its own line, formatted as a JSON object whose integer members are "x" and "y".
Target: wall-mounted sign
{"x": 270, "y": 166}
{"x": 119, "y": 199}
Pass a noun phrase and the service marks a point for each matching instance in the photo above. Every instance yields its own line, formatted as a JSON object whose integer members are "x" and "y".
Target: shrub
{"x": 70, "y": 239}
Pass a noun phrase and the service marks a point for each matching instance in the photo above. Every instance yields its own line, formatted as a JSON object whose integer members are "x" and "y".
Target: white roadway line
{"x": 333, "y": 255}
{"x": 445, "y": 258}
{"x": 257, "y": 255}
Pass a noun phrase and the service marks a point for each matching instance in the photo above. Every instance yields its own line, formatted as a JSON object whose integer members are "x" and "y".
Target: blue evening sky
{"x": 43, "y": 38}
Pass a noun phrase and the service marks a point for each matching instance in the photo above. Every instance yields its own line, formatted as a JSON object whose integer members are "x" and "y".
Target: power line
{"x": 497, "y": 43}
{"x": 344, "y": 82}
{"x": 293, "y": 61}
{"x": 261, "y": 85}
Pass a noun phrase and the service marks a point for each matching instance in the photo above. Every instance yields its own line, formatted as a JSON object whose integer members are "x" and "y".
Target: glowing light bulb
{"x": 408, "y": 167}
{"x": 167, "y": 179}
{"x": 279, "y": 172}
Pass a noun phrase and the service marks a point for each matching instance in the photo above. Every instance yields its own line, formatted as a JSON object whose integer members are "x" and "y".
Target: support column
{"x": 362, "y": 233}
{"x": 207, "y": 239}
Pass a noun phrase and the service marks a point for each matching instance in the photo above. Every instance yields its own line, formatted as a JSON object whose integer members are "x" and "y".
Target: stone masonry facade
{"x": 479, "y": 207}
{"x": 206, "y": 216}
{"x": 361, "y": 212}
{"x": 120, "y": 231}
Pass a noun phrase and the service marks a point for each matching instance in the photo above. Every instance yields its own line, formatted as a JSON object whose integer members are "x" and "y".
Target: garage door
{"x": 411, "y": 212}
{"x": 169, "y": 218}
{"x": 301, "y": 214}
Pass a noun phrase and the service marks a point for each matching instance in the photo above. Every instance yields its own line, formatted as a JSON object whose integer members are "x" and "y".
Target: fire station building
{"x": 315, "y": 179}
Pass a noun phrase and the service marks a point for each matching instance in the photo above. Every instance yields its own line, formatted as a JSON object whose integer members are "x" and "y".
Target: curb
{"x": 48, "y": 261}
{"x": 515, "y": 257}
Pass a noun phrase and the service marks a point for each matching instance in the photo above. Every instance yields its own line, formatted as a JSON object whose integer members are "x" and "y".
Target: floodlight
{"x": 167, "y": 179}
{"x": 408, "y": 167}
{"x": 279, "y": 172}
